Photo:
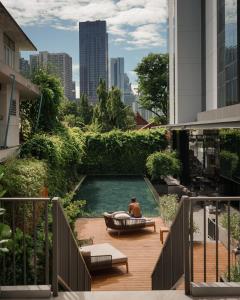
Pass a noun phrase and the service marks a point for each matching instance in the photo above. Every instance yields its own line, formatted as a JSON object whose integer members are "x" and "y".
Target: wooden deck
{"x": 142, "y": 249}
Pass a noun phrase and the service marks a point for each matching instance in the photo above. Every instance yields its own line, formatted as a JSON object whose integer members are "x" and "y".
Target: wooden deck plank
{"x": 142, "y": 249}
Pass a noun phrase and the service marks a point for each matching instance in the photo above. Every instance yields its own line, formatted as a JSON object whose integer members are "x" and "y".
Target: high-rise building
{"x": 204, "y": 61}
{"x": 59, "y": 64}
{"x": 129, "y": 97}
{"x": 73, "y": 90}
{"x": 117, "y": 74}
{"x": 93, "y": 45}
{"x": 24, "y": 67}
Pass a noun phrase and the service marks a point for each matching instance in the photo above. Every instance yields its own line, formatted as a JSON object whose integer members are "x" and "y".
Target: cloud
{"x": 133, "y": 21}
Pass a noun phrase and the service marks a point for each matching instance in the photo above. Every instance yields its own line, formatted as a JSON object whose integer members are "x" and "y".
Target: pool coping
{"x": 152, "y": 189}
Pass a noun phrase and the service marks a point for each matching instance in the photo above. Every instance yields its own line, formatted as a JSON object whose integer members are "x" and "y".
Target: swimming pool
{"x": 113, "y": 193}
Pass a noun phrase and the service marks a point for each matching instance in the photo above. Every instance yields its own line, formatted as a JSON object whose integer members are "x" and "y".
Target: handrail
{"x": 177, "y": 255}
{"x": 170, "y": 265}
{"x": 69, "y": 267}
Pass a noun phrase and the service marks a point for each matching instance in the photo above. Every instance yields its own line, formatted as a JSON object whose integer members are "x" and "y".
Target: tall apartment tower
{"x": 117, "y": 74}
{"x": 204, "y": 61}
{"x": 24, "y": 67}
{"x": 93, "y": 45}
{"x": 59, "y": 64}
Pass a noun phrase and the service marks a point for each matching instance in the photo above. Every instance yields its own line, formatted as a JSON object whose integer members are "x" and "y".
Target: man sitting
{"x": 134, "y": 209}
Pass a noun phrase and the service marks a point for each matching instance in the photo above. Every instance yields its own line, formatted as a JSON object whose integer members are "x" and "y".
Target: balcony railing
{"x": 42, "y": 249}
{"x": 177, "y": 261}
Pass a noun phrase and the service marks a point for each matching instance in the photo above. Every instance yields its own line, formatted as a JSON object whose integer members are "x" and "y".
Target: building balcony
{"x": 26, "y": 88}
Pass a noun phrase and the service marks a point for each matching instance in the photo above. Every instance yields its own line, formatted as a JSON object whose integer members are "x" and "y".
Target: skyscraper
{"x": 129, "y": 97}
{"x": 93, "y": 45}
{"x": 117, "y": 74}
{"x": 24, "y": 67}
{"x": 59, "y": 64}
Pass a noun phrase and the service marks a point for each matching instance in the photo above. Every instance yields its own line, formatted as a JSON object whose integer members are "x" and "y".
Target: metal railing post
{"x": 186, "y": 208}
{"x": 55, "y": 248}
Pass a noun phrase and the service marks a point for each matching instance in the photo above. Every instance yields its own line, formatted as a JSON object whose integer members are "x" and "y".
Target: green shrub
{"x": 120, "y": 152}
{"x": 62, "y": 152}
{"x": 228, "y": 162}
{"x": 234, "y": 224}
{"x": 2, "y": 191}
{"x": 161, "y": 164}
{"x": 73, "y": 208}
{"x": 168, "y": 206}
{"x": 5, "y": 234}
{"x": 24, "y": 177}
{"x": 234, "y": 273}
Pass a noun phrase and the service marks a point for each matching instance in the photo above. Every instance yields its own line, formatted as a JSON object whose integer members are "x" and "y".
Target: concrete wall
{"x": 187, "y": 49}
{"x": 211, "y": 55}
{"x": 13, "y": 131}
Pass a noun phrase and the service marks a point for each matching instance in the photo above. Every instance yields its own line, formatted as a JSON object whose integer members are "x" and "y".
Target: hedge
{"x": 24, "y": 177}
{"x": 62, "y": 152}
{"x": 118, "y": 152}
{"x": 57, "y": 160}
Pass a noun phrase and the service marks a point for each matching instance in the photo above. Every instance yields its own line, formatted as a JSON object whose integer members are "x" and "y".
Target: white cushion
{"x": 122, "y": 216}
{"x": 106, "y": 249}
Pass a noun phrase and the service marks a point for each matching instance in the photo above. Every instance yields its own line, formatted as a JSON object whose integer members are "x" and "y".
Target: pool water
{"x": 113, "y": 193}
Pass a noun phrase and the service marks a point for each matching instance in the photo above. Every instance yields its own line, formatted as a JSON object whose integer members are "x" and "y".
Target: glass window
{"x": 9, "y": 51}
{"x": 227, "y": 53}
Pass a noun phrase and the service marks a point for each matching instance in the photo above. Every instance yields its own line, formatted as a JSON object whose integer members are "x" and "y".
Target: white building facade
{"x": 13, "y": 86}
{"x": 204, "y": 61}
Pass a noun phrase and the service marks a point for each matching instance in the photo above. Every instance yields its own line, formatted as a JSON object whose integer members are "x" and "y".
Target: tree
{"x": 100, "y": 114}
{"x": 52, "y": 95}
{"x": 110, "y": 112}
{"x": 85, "y": 110}
{"x": 120, "y": 115}
{"x": 152, "y": 74}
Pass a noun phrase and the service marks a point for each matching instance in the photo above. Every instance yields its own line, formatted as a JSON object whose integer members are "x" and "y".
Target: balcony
{"x": 26, "y": 88}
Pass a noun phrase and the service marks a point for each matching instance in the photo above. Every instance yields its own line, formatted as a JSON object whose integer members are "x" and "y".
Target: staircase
{"x": 176, "y": 258}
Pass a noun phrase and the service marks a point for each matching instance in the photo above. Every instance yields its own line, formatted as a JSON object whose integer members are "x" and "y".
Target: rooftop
{"x": 14, "y": 31}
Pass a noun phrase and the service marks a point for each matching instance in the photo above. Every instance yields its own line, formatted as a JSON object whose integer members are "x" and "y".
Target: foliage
{"x": 152, "y": 74}
{"x": 73, "y": 208}
{"x": 24, "y": 177}
{"x": 52, "y": 95}
{"x": 161, "y": 164}
{"x": 85, "y": 110}
{"x": 62, "y": 152}
{"x": 76, "y": 113}
{"x": 110, "y": 112}
{"x": 2, "y": 191}
{"x": 168, "y": 206}
{"x": 234, "y": 273}
{"x": 234, "y": 224}
{"x": 5, "y": 234}
{"x": 120, "y": 152}
{"x": 228, "y": 162}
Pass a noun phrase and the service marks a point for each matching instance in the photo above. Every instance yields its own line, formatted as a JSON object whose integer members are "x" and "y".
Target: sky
{"x": 135, "y": 27}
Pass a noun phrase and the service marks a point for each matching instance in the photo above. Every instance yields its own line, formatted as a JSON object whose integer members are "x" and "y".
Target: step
{"x": 215, "y": 289}
{"x": 25, "y": 291}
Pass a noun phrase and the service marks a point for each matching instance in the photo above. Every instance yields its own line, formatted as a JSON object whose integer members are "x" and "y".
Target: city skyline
{"x": 135, "y": 27}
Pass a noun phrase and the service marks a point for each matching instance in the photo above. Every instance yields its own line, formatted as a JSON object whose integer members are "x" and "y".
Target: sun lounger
{"x": 103, "y": 256}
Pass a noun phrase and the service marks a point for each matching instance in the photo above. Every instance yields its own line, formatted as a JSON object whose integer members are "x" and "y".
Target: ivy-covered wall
{"x": 118, "y": 152}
